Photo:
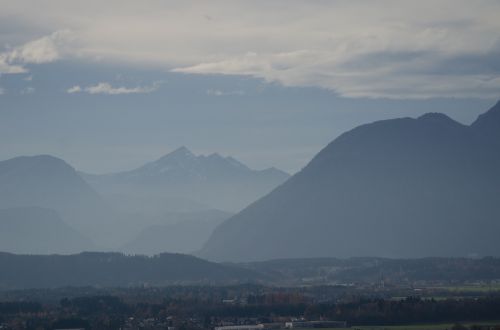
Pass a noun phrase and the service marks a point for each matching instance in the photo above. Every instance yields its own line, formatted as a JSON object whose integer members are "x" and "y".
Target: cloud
{"x": 42, "y": 50}
{"x": 107, "y": 88}
{"x": 8, "y": 68}
{"x": 74, "y": 89}
{"x": 218, "y": 92}
{"x": 393, "y": 75}
{"x": 382, "y": 48}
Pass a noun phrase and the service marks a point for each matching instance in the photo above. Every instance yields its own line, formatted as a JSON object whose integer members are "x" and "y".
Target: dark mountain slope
{"x": 488, "y": 124}
{"x": 396, "y": 188}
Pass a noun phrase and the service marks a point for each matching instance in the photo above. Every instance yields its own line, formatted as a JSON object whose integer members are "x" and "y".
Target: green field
{"x": 408, "y": 327}
{"x": 441, "y": 326}
{"x": 473, "y": 288}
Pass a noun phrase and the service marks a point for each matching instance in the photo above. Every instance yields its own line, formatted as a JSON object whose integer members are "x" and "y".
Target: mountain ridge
{"x": 111, "y": 269}
{"x": 208, "y": 180}
{"x": 396, "y": 188}
{"x": 183, "y": 158}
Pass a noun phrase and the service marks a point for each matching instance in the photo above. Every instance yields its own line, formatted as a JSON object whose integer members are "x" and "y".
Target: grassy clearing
{"x": 474, "y": 288}
{"x": 441, "y": 326}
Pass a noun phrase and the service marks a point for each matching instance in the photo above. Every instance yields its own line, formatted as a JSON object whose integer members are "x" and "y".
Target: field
{"x": 441, "y": 326}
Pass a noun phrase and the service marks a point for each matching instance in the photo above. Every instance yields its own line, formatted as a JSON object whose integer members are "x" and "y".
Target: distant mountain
{"x": 44, "y": 181}
{"x": 186, "y": 235}
{"x": 180, "y": 175}
{"x": 49, "y": 182}
{"x": 36, "y": 230}
{"x": 395, "y": 188}
{"x": 113, "y": 270}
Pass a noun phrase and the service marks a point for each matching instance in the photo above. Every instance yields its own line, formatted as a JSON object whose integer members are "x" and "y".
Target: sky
{"x": 108, "y": 86}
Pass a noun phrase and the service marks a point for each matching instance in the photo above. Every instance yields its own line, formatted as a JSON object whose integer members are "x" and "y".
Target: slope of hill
{"x": 186, "y": 235}
{"x": 488, "y": 126}
{"x": 196, "y": 180}
{"x": 113, "y": 270}
{"x": 38, "y": 230}
{"x": 44, "y": 181}
{"x": 49, "y": 182}
{"x": 395, "y": 188}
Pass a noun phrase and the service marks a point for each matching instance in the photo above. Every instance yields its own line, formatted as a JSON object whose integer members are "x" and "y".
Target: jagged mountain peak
{"x": 215, "y": 155}
{"x": 182, "y": 159}
{"x": 202, "y": 179}
{"x": 179, "y": 153}
{"x": 183, "y": 150}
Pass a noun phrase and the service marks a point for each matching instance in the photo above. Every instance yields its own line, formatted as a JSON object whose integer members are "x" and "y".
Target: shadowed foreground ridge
{"x": 395, "y": 188}
{"x": 113, "y": 270}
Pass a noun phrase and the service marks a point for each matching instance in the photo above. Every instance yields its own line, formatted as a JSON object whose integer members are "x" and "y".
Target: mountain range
{"x": 405, "y": 187}
{"x": 149, "y": 210}
{"x": 190, "y": 182}
{"x": 98, "y": 270}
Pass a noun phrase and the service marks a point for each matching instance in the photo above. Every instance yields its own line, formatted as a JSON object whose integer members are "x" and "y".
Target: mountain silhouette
{"x": 100, "y": 269}
{"x": 199, "y": 181}
{"x": 395, "y": 188}
{"x": 44, "y": 181}
{"x": 49, "y": 182}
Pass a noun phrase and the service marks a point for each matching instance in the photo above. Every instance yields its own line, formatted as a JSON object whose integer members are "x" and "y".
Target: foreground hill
{"x": 113, "y": 270}
{"x": 191, "y": 182}
{"x": 38, "y": 230}
{"x": 395, "y": 188}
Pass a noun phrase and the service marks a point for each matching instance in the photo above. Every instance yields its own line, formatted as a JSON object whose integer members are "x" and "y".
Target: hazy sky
{"x": 109, "y": 86}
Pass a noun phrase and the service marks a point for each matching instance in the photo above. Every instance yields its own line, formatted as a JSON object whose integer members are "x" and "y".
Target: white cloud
{"x": 107, "y": 88}
{"x": 42, "y": 50}
{"x": 337, "y": 45}
{"x": 74, "y": 89}
{"x": 7, "y": 68}
{"x": 219, "y": 92}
